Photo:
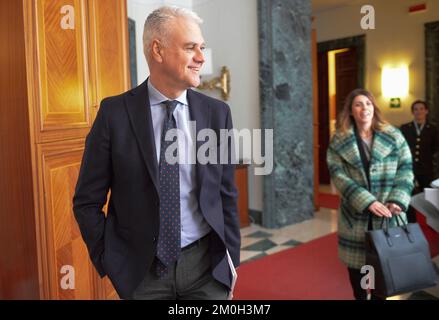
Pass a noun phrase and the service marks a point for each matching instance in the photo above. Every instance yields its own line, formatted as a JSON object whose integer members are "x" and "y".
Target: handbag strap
{"x": 404, "y": 227}
{"x": 385, "y": 224}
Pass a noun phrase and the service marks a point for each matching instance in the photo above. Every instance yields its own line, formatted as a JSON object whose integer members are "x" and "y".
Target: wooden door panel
{"x": 57, "y": 70}
{"x": 109, "y": 48}
{"x": 62, "y": 244}
{"x": 346, "y": 71}
{"x": 110, "y": 73}
{"x": 62, "y": 81}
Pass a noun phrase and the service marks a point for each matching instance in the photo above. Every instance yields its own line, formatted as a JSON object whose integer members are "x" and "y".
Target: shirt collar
{"x": 156, "y": 97}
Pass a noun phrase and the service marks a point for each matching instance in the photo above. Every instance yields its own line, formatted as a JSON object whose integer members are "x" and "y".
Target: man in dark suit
{"x": 423, "y": 140}
{"x": 169, "y": 227}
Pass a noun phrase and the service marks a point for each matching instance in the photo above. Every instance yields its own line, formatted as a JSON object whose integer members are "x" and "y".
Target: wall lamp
{"x": 395, "y": 84}
{"x": 221, "y": 83}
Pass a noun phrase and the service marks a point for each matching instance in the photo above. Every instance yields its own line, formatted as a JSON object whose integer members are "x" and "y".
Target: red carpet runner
{"x": 311, "y": 271}
{"x": 329, "y": 201}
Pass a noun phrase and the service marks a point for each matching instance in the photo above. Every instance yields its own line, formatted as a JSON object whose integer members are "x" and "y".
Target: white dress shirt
{"x": 193, "y": 224}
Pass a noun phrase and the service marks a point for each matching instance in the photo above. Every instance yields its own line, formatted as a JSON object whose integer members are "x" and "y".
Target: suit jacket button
{"x": 154, "y": 240}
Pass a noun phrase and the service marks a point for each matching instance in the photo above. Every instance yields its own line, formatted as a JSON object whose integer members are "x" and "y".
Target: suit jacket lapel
{"x": 200, "y": 113}
{"x": 139, "y": 111}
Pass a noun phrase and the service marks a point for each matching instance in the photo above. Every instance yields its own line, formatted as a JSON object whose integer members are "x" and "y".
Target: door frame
{"x": 357, "y": 42}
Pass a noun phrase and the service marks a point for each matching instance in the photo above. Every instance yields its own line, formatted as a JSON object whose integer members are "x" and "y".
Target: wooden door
{"x": 109, "y": 53}
{"x": 65, "y": 264}
{"x": 58, "y": 75}
{"x": 76, "y": 54}
{"x": 346, "y": 74}
{"x": 109, "y": 59}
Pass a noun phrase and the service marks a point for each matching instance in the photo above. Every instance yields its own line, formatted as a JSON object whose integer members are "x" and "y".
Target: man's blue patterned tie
{"x": 168, "y": 247}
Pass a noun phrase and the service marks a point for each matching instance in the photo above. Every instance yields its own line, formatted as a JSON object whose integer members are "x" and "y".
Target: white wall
{"x": 398, "y": 38}
{"x": 138, "y": 10}
{"x": 230, "y": 29}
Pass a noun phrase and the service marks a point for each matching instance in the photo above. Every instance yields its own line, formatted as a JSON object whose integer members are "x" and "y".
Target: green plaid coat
{"x": 391, "y": 179}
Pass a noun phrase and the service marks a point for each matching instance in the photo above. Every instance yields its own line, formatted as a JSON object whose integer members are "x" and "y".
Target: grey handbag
{"x": 401, "y": 258}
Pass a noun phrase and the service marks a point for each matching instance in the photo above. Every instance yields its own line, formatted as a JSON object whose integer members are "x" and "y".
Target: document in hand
{"x": 234, "y": 275}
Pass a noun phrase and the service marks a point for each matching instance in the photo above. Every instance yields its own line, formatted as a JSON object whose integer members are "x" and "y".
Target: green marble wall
{"x": 287, "y": 107}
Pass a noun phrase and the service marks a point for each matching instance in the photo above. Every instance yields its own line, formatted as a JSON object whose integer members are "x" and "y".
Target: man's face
{"x": 420, "y": 112}
{"x": 183, "y": 55}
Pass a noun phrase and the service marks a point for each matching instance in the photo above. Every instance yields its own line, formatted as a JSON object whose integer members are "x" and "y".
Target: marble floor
{"x": 258, "y": 242}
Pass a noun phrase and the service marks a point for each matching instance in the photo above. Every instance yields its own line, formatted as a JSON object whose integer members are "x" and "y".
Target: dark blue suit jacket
{"x": 120, "y": 157}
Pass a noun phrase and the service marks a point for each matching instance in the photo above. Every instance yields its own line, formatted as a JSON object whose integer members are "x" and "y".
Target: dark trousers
{"x": 190, "y": 278}
{"x": 355, "y": 277}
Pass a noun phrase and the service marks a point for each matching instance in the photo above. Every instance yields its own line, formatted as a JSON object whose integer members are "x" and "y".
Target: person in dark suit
{"x": 423, "y": 140}
{"x": 170, "y": 227}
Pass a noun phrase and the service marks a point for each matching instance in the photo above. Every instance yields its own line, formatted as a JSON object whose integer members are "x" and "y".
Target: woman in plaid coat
{"x": 371, "y": 165}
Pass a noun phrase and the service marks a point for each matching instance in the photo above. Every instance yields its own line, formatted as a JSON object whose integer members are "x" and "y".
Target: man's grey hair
{"x": 156, "y": 25}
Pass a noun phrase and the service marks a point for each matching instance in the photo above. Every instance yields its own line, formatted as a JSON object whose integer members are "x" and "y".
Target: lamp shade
{"x": 206, "y": 69}
{"x": 395, "y": 82}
